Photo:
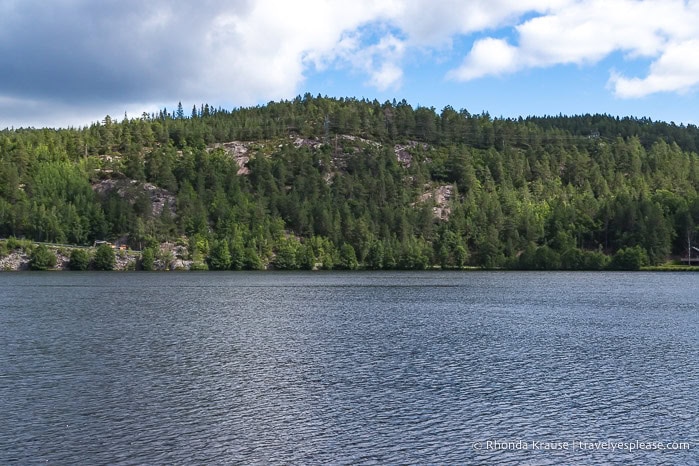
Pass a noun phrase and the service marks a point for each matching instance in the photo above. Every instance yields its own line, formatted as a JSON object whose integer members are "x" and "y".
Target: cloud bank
{"x": 69, "y": 57}
{"x": 585, "y": 32}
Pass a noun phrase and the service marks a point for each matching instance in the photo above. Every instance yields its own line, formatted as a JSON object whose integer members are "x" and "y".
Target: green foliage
{"x": 166, "y": 258}
{"x": 413, "y": 256}
{"x": 375, "y": 258}
{"x": 460, "y": 255}
{"x": 629, "y": 259}
{"x": 573, "y": 259}
{"x": 148, "y": 259}
{"x": 545, "y": 258}
{"x": 199, "y": 266}
{"x": 531, "y": 193}
{"x": 252, "y": 260}
{"x": 130, "y": 265}
{"x": 79, "y": 259}
{"x": 348, "y": 258}
{"x": 42, "y": 258}
{"x": 220, "y": 256}
{"x": 285, "y": 258}
{"x": 16, "y": 244}
{"x": 595, "y": 260}
{"x": 305, "y": 258}
{"x": 238, "y": 259}
{"x": 104, "y": 258}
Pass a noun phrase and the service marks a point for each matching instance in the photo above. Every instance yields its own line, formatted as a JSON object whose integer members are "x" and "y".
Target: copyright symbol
{"x": 477, "y": 446}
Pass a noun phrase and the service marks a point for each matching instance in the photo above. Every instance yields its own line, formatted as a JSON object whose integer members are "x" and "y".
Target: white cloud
{"x": 587, "y": 31}
{"x": 487, "y": 57}
{"x": 677, "y": 70}
{"x": 380, "y": 61}
{"x": 436, "y": 22}
{"x": 388, "y": 76}
{"x": 89, "y": 55}
{"x": 25, "y": 113}
{"x": 265, "y": 52}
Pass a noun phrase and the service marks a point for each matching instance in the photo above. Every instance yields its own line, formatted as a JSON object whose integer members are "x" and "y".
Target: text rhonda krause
{"x": 580, "y": 445}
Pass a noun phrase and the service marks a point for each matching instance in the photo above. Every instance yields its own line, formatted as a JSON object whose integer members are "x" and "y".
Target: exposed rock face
{"x": 62, "y": 260}
{"x": 402, "y": 152}
{"x": 239, "y": 151}
{"x": 304, "y": 142}
{"x": 403, "y": 155}
{"x": 440, "y": 195}
{"x": 170, "y": 256}
{"x": 125, "y": 261}
{"x": 19, "y": 260}
{"x": 15, "y": 261}
{"x": 180, "y": 264}
{"x": 130, "y": 190}
{"x": 159, "y": 198}
{"x": 362, "y": 140}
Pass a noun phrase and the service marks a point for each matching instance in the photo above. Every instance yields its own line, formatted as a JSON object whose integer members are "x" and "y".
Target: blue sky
{"x": 71, "y": 62}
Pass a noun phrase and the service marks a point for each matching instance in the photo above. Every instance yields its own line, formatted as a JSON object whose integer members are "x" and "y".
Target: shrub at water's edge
{"x": 41, "y": 258}
{"x": 301, "y": 256}
{"x": 79, "y": 260}
{"x": 104, "y": 258}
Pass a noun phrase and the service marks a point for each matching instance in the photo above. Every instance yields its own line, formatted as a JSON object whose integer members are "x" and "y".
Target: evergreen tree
{"x": 104, "y": 258}
{"x": 41, "y": 258}
{"x": 220, "y": 256}
{"x": 285, "y": 258}
{"x": 148, "y": 259}
{"x": 534, "y": 192}
{"x": 79, "y": 260}
{"x": 348, "y": 258}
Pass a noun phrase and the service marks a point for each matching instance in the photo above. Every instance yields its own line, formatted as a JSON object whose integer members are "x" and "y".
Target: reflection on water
{"x": 346, "y": 368}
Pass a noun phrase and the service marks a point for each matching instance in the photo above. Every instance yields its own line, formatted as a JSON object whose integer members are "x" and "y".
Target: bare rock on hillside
{"x": 362, "y": 140}
{"x": 441, "y": 197}
{"x": 131, "y": 189}
{"x": 16, "y": 260}
{"x": 299, "y": 142}
{"x": 239, "y": 151}
{"x": 403, "y": 152}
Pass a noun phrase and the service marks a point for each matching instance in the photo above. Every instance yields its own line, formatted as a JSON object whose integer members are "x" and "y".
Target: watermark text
{"x": 578, "y": 445}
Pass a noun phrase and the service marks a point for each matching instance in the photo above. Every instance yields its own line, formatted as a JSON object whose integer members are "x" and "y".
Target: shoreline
{"x": 174, "y": 259}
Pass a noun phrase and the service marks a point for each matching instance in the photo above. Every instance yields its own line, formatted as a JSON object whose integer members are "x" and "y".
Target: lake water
{"x": 348, "y": 368}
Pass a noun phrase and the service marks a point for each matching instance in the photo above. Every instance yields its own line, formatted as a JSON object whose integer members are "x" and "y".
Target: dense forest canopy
{"x": 347, "y": 183}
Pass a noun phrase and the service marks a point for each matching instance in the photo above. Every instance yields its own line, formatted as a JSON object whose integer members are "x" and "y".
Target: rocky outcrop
{"x": 239, "y": 151}
{"x": 132, "y": 189}
{"x": 15, "y": 261}
{"x": 403, "y": 154}
{"x": 441, "y": 197}
{"x": 19, "y": 260}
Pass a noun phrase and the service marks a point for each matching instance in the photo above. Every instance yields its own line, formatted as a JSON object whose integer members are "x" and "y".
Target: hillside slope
{"x": 319, "y": 182}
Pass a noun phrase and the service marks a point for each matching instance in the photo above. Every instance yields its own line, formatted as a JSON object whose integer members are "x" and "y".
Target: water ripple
{"x": 386, "y": 368}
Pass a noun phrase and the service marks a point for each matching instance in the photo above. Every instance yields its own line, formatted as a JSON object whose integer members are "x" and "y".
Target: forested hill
{"x": 346, "y": 183}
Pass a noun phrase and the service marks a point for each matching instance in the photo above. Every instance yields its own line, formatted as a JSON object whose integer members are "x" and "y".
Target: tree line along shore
{"x": 22, "y": 255}
{"x": 321, "y": 183}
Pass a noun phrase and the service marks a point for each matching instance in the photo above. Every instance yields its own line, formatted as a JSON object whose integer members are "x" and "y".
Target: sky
{"x": 72, "y": 62}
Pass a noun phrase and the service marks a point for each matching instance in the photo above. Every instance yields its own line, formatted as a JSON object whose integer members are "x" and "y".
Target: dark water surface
{"x": 385, "y": 368}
